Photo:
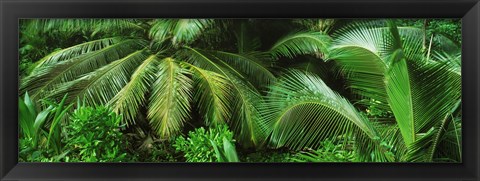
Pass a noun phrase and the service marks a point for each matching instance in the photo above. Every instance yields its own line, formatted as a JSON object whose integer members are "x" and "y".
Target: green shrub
{"x": 198, "y": 146}
{"x": 93, "y": 135}
{"x": 40, "y": 129}
{"x": 145, "y": 147}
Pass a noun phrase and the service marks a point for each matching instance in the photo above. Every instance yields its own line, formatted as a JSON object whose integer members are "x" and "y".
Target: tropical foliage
{"x": 316, "y": 90}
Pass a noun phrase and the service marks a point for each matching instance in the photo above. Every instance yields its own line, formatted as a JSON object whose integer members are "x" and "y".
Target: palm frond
{"x": 162, "y": 29}
{"x": 213, "y": 95}
{"x": 171, "y": 97}
{"x": 300, "y": 111}
{"x": 400, "y": 93}
{"x": 364, "y": 72}
{"x": 360, "y": 51}
{"x": 254, "y": 66}
{"x": 364, "y": 52}
{"x": 128, "y": 101}
{"x": 426, "y": 147}
{"x": 454, "y": 60}
{"x": 392, "y": 140}
{"x": 77, "y": 50}
{"x": 209, "y": 61}
{"x": 450, "y": 144}
{"x": 364, "y": 35}
{"x": 100, "y": 86}
{"x": 411, "y": 46}
{"x": 246, "y": 116}
{"x": 421, "y": 95}
{"x": 45, "y": 78}
{"x": 181, "y": 31}
{"x": 241, "y": 96}
{"x": 301, "y": 43}
{"x": 437, "y": 89}
{"x": 201, "y": 59}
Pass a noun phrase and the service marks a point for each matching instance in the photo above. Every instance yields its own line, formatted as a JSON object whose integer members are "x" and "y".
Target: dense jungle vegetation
{"x": 240, "y": 90}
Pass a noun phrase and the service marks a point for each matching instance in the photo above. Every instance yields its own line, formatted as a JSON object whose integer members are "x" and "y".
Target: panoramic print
{"x": 240, "y": 90}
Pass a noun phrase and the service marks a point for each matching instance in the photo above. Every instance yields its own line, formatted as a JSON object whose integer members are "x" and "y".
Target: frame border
{"x": 11, "y": 11}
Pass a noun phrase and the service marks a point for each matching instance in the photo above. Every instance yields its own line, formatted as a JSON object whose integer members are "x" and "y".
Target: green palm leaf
{"x": 361, "y": 51}
{"x": 301, "y": 43}
{"x": 437, "y": 89}
{"x": 399, "y": 91}
{"x": 253, "y": 65}
{"x": 131, "y": 98}
{"x": 100, "y": 86}
{"x": 246, "y": 116}
{"x": 364, "y": 73}
{"x": 425, "y": 149}
{"x": 208, "y": 61}
{"x": 242, "y": 96}
{"x": 450, "y": 144}
{"x": 77, "y": 50}
{"x": 411, "y": 46}
{"x": 45, "y": 78}
{"x": 179, "y": 30}
{"x": 454, "y": 60}
{"x": 79, "y": 25}
{"x": 213, "y": 95}
{"x": 170, "y": 100}
{"x": 300, "y": 111}
{"x": 420, "y": 94}
{"x": 441, "y": 86}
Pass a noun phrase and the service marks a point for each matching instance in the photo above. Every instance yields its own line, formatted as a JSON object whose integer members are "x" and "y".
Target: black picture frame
{"x": 11, "y": 11}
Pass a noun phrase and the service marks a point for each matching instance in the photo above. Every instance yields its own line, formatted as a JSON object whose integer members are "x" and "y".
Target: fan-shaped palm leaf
{"x": 363, "y": 51}
{"x": 300, "y": 111}
{"x": 441, "y": 85}
{"x": 364, "y": 72}
{"x": 170, "y": 100}
{"x": 360, "y": 51}
{"x": 420, "y": 94}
